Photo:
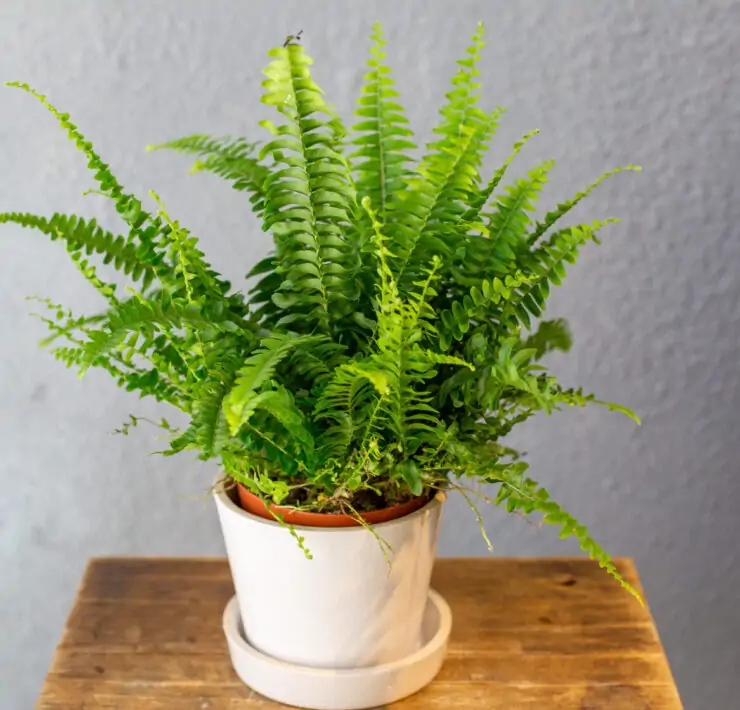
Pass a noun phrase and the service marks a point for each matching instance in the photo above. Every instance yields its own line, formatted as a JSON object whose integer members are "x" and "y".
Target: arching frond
{"x": 564, "y": 207}
{"x": 517, "y": 493}
{"x": 87, "y": 236}
{"x": 228, "y": 158}
{"x": 547, "y": 266}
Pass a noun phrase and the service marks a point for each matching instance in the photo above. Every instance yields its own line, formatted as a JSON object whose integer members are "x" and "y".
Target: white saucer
{"x": 345, "y": 688}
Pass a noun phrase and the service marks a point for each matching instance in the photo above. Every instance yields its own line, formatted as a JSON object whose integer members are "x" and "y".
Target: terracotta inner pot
{"x": 252, "y": 504}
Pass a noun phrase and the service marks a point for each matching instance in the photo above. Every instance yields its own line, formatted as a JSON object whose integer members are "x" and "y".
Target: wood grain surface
{"x": 528, "y": 634}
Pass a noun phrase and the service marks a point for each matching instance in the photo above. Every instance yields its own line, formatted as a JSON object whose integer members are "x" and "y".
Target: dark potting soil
{"x": 364, "y": 501}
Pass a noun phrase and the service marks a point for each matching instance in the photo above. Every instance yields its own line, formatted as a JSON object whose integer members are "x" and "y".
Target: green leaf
{"x": 409, "y": 471}
{"x": 550, "y": 335}
{"x": 257, "y": 370}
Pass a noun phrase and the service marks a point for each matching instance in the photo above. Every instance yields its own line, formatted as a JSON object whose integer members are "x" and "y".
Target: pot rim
{"x": 254, "y": 504}
{"x": 223, "y": 500}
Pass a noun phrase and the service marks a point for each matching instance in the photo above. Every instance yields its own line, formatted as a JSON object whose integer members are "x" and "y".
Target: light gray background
{"x": 655, "y": 309}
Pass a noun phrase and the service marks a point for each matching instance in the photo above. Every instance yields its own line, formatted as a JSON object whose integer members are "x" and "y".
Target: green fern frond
{"x": 398, "y": 355}
{"x": 419, "y": 308}
{"x": 280, "y": 405}
{"x": 145, "y": 231}
{"x": 62, "y": 321}
{"x": 258, "y": 369}
{"x": 132, "y": 316}
{"x": 393, "y": 354}
{"x": 550, "y": 335}
{"x": 520, "y": 494}
{"x": 316, "y": 365}
{"x": 427, "y": 218}
{"x": 108, "y": 183}
{"x": 442, "y": 359}
{"x": 126, "y": 205}
{"x": 346, "y": 402}
{"x": 74, "y": 329}
{"x": 149, "y": 235}
{"x": 152, "y": 323}
{"x": 228, "y": 158}
{"x": 338, "y": 396}
{"x": 547, "y": 267}
{"x": 576, "y": 398}
{"x": 513, "y": 369}
{"x": 380, "y": 162}
{"x": 88, "y": 236}
{"x": 90, "y": 273}
{"x": 507, "y": 226}
{"x": 460, "y": 112}
{"x": 309, "y": 195}
{"x": 477, "y": 306}
{"x": 480, "y": 198}
{"x": 210, "y": 429}
{"x": 77, "y": 236}
{"x": 152, "y": 383}
{"x": 196, "y": 275}
{"x": 565, "y": 207}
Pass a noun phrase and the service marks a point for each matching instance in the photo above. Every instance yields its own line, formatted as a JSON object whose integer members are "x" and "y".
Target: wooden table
{"x": 528, "y": 634}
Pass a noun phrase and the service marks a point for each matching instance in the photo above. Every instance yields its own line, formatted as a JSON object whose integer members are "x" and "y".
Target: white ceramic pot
{"x": 346, "y": 607}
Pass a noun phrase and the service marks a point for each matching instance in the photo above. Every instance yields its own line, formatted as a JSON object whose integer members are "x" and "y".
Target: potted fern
{"x": 389, "y": 344}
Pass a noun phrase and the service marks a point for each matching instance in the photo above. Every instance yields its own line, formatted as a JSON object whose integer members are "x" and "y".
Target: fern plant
{"x": 391, "y": 341}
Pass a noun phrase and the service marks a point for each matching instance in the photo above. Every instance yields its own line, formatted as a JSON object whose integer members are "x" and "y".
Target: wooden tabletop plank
{"x": 437, "y": 696}
{"x": 145, "y": 633}
{"x": 552, "y": 669}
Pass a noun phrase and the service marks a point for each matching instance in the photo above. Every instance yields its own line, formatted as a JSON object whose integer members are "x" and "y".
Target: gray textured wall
{"x": 655, "y": 309}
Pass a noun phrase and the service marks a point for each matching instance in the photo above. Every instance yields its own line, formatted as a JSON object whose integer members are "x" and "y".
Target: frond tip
{"x": 380, "y": 160}
{"x": 518, "y": 493}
